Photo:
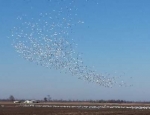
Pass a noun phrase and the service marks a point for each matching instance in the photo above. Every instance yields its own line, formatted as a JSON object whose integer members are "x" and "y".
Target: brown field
{"x": 8, "y": 108}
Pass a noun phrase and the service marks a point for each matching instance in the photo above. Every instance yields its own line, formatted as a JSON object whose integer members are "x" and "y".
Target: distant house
{"x": 30, "y": 101}
{"x": 35, "y": 101}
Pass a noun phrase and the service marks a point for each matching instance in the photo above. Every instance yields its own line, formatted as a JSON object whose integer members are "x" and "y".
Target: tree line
{"x": 49, "y": 99}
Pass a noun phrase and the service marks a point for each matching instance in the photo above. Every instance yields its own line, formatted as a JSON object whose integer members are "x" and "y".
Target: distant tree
{"x": 49, "y": 97}
{"x": 45, "y": 99}
{"x": 11, "y": 98}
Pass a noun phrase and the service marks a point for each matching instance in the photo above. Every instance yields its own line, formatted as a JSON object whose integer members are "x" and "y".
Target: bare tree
{"x": 45, "y": 99}
{"x": 11, "y": 98}
{"x": 49, "y": 97}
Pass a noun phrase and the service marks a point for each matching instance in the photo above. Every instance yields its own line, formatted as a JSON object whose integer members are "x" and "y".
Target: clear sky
{"x": 114, "y": 38}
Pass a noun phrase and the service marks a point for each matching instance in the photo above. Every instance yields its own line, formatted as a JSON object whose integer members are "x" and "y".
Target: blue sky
{"x": 114, "y": 39}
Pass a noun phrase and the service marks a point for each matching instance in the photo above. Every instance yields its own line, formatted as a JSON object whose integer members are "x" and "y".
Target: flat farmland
{"x": 72, "y": 109}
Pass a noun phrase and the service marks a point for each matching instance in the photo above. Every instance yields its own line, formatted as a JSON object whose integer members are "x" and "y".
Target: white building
{"x": 28, "y": 101}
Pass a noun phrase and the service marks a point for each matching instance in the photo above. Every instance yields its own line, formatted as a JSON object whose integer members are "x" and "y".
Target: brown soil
{"x": 68, "y": 111}
{"x": 15, "y": 109}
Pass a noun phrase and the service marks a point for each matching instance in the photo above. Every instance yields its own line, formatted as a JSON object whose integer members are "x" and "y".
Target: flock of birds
{"x": 45, "y": 41}
{"x": 137, "y": 107}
